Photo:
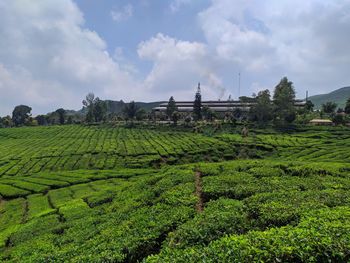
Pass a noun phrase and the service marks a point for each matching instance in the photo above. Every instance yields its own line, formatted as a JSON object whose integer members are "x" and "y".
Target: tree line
{"x": 94, "y": 110}
{"x": 265, "y": 109}
{"x": 21, "y": 116}
{"x": 280, "y": 109}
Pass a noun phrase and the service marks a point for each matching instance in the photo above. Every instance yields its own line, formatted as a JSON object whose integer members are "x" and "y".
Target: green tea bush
{"x": 220, "y": 217}
{"x": 38, "y": 205}
{"x": 99, "y": 198}
{"x": 282, "y": 208}
{"x": 61, "y": 205}
{"x": 11, "y": 215}
{"x": 9, "y": 191}
{"x": 264, "y": 171}
{"x": 32, "y": 187}
{"x": 320, "y": 237}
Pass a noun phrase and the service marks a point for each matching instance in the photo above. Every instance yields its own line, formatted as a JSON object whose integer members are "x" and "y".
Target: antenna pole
{"x": 239, "y": 84}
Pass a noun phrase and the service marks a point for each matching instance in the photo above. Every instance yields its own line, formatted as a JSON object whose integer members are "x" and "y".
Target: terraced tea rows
{"x": 20, "y": 186}
{"x": 303, "y": 146}
{"x": 32, "y": 150}
{"x": 154, "y": 217}
{"x": 110, "y": 194}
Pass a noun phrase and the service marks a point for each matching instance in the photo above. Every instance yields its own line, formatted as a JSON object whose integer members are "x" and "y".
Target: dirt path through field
{"x": 198, "y": 184}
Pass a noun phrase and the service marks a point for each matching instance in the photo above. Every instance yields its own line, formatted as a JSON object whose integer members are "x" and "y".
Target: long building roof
{"x": 219, "y": 106}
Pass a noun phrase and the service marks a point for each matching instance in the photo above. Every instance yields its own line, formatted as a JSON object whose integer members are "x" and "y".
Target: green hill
{"x": 338, "y": 96}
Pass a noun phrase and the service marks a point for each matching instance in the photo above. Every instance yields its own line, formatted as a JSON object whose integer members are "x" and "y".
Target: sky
{"x": 54, "y": 52}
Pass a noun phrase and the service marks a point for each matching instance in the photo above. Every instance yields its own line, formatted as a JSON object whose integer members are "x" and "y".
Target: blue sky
{"x": 53, "y": 52}
{"x": 174, "y": 18}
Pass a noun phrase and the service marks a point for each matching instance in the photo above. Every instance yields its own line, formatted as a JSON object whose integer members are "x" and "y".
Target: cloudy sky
{"x": 53, "y": 52}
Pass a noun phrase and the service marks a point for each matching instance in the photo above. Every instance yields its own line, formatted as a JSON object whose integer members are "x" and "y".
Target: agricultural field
{"x": 31, "y": 150}
{"x": 112, "y": 194}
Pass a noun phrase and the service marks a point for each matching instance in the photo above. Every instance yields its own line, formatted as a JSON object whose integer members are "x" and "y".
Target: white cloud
{"x": 307, "y": 41}
{"x": 48, "y": 59}
{"x": 177, "y": 67}
{"x": 123, "y": 13}
{"x": 124, "y": 62}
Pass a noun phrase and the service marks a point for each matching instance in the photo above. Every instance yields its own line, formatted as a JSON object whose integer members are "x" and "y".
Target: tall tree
{"x": 237, "y": 113}
{"x": 21, "y": 114}
{"x": 89, "y": 104}
{"x": 207, "y": 113}
{"x": 96, "y": 108}
{"x": 141, "y": 114}
{"x": 338, "y": 119}
{"x": 41, "y": 119}
{"x": 61, "y": 115}
{"x": 130, "y": 110}
{"x": 309, "y": 106}
{"x": 347, "y": 106}
{"x": 262, "y": 110}
{"x": 245, "y": 99}
{"x": 171, "y": 107}
{"x": 329, "y": 107}
{"x": 283, "y": 99}
{"x": 197, "y": 105}
{"x": 175, "y": 117}
{"x": 7, "y": 121}
{"x": 70, "y": 120}
{"x": 99, "y": 110}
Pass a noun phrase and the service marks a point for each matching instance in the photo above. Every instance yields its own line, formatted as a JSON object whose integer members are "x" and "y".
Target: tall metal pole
{"x": 239, "y": 84}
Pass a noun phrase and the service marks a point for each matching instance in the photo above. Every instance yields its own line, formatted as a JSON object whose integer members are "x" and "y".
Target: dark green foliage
{"x": 141, "y": 114}
{"x": 6, "y": 122}
{"x": 283, "y": 99}
{"x": 347, "y": 106}
{"x": 309, "y": 106}
{"x": 208, "y": 113}
{"x": 246, "y": 99}
{"x": 175, "y": 117}
{"x": 21, "y": 114}
{"x": 89, "y": 104}
{"x": 197, "y": 105}
{"x": 96, "y": 108}
{"x": 61, "y": 115}
{"x": 338, "y": 119}
{"x": 41, "y": 119}
{"x": 329, "y": 107}
{"x": 100, "y": 110}
{"x": 171, "y": 107}
{"x": 262, "y": 111}
{"x": 130, "y": 110}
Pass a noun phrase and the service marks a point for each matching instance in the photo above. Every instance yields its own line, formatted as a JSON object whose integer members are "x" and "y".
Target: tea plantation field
{"x": 32, "y": 150}
{"x": 111, "y": 194}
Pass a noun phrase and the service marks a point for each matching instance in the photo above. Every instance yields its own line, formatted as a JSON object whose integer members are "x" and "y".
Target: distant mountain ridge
{"x": 338, "y": 96}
